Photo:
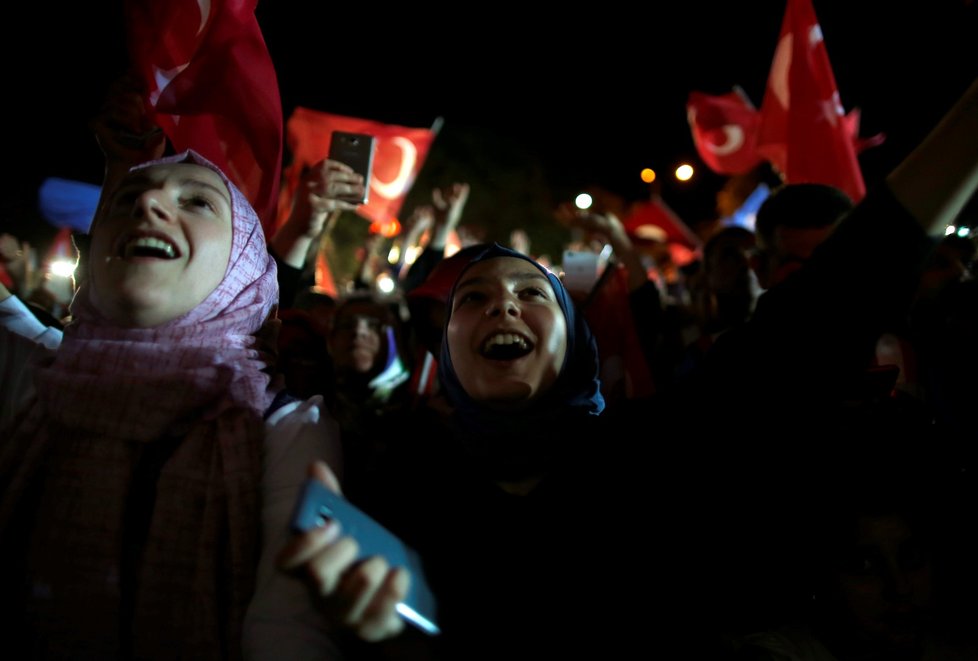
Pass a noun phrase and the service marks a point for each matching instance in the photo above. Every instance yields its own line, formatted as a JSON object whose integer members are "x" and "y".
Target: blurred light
{"x": 385, "y": 283}
{"x": 388, "y": 229}
{"x": 950, "y": 229}
{"x": 684, "y": 172}
{"x": 964, "y": 231}
{"x": 648, "y": 175}
{"x": 63, "y": 268}
{"x": 746, "y": 214}
{"x": 411, "y": 254}
{"x": 394, "y": 255}
{"x": 583, "y": 201}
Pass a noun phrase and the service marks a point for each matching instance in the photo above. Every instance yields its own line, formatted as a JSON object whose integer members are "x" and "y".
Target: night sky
{"x": 577, "y": 97}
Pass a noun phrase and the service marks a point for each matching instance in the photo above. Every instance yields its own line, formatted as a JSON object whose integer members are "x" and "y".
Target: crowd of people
{"x": 777, "y": 467}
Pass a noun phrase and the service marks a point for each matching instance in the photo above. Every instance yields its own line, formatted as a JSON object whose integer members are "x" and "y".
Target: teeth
{"x": 149, "y": 243}
{"x": 505, "y": 339}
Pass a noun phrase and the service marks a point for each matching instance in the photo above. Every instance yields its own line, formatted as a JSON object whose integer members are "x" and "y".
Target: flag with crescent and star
{"x": 400, "y": 153}
{"x": 804, "y": 131}
{"x": 724, "y": 131}
{"x": 213, "y": 88}
{"x": 801, "y": 128}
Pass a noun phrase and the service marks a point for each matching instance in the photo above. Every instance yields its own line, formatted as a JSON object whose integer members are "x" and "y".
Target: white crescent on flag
{"x": 733, "y": 140}
{"x": 409, "y": 155}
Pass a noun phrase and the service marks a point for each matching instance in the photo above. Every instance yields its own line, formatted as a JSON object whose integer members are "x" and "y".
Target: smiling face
{"x": 162, "y": 245}
{"x": 507, "y": 334}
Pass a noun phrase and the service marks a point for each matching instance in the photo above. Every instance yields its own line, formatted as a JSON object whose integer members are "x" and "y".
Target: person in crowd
{"x": 723, "y": 290}
{"x": 623, "y": 307}
{"x": 14, "y": 263}
{"x": 146, "y": 447}
{"x": 499, "y": 494}
{"x": 791, "y": 222}
{"x": 933, "y": 345}
{"x": 794, "y": 377}
{"x": 879, "y": 572}
{"x": 368, "y": 376}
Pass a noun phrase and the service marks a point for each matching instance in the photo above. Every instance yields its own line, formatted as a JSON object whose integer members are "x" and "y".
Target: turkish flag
{"x": 399, "y": 153}
{"x": 213, "y": 87}
{"x": 655, "y": 220}
{"x": 804, "y": 132}
{"x": 853, "y": 120}
{"x": 724, "y": 131}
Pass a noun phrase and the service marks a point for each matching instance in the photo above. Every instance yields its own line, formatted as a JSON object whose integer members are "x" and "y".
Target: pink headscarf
{"x": 136, "y": 472}
{"x": 203, "y": 359}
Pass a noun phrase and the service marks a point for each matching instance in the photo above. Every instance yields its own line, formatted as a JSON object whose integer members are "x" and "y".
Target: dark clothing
{"x": 289, "y": 281}
{"x": 577, "y": 568}
{"x": 668, "y": 523}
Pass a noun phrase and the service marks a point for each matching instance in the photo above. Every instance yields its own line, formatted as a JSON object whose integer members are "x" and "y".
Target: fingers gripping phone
{"x": 318, "y": 504}
{"x": 357, "y": 151}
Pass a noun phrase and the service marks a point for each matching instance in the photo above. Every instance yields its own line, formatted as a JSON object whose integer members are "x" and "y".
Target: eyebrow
{"x": 203, "y": 184}
{"x": 523, "y": 276}
{"x": 143, "y": 179}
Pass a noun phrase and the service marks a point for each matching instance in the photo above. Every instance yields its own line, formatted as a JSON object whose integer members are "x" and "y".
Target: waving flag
{"x": 803, "y": 131}
{"x": 213, "y": 87}
{"x": 724, "y": 131}
{"x": 400, "y": 153}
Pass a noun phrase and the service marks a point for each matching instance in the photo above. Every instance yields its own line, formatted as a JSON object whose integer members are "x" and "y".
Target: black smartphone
{"x": 317, "y": 504}
{"x": 357, "y": 151}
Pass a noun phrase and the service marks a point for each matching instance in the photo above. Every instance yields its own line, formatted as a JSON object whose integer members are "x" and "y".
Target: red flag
{"x": 625, "y": 373}
{"x": 803, "y": 131}
{"x": 213, "y": 87}
{"x": 657, "y": 221}
{"x": 400, "y": 153}
{"x": 861, "y": 144}
{"x": 724, "y": 131}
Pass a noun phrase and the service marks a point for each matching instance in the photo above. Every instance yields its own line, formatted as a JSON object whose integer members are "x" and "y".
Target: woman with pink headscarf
{"x": 146, "y": 456}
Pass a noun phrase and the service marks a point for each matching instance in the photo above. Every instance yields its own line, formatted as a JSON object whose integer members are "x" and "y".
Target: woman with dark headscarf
{"x": 501, "y": 496}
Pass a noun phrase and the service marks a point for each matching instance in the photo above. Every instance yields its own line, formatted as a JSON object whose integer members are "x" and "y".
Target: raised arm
{"x": 940, "y": 175}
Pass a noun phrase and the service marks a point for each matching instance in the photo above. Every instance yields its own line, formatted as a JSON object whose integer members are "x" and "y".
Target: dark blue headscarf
{"x": 518, "y": 441}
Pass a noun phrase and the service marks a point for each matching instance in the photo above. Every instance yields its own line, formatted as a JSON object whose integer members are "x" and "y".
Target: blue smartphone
{"x": 318, "y": 504}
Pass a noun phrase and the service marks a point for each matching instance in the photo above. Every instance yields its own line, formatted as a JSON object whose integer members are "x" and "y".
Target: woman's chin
{"x": 515, "y": 397}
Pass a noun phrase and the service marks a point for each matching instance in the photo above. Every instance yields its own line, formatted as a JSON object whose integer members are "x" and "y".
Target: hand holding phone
{"x": 357, "y": 151}
{"x": 318, "y": 504}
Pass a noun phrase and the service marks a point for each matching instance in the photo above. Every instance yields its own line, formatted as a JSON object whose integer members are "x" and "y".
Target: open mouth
{"x": 148, "y": 245}
{"x": 505, "y": 346}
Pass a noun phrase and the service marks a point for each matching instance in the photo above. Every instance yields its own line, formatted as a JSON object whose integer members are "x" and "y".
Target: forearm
{"x": 292, "y": 243}
{"x": 629, "y": 257}
{"x": 17, "y": 318}
{"x": 940, "y": 176}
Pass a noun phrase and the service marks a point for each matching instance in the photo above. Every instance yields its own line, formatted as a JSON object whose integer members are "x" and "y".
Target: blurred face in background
{"x": 790, "y": 248}
{"x": 356, "y": 339}
{"x": 882, "y": 584}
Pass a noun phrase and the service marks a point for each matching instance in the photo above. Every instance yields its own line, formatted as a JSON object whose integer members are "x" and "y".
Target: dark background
{"x": 537, "y": 103}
